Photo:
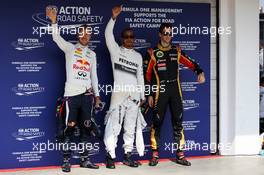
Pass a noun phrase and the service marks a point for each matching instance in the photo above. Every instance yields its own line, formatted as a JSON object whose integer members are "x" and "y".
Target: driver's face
{"x": 128, "y": 39}
{"x": 84, "y": 36}
{"x": 166, "y": 35}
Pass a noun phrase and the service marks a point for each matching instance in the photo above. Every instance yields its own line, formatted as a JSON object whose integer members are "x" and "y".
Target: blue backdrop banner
{"x": 33, "y": 73}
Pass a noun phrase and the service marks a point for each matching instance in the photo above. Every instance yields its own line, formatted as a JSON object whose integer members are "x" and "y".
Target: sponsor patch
{"x": 162, "y": 68}
{"x": 161, "y": 60}
{"x": 125, "y": 69}
{"x": 83, "y": 62}
{"x": 79, "y": 49}
{"x": 161, "y": 65}
{"x": 79, "y": 56}
{"x": 78, "y": 53}
{"x": 159, "y": 54}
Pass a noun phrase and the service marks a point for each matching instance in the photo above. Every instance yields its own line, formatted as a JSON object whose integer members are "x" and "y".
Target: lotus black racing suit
{"x": 161, "y": 68}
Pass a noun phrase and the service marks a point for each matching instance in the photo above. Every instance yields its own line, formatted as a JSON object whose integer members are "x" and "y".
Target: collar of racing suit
{"x": 126, "y": 49}
{"x": 160, "y": 47}
{"x": 81, "y": 46}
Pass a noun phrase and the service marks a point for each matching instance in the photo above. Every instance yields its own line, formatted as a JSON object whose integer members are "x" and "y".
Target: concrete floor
{"x": 252, "y": 165}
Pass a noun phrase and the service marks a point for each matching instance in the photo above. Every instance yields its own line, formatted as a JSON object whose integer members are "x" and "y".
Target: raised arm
{"x": 63, "y": 45}
{"x": 109, "y": 34}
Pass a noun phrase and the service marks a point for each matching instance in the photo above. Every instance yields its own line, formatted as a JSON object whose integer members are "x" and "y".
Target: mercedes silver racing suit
{"x": 127, "y": 93}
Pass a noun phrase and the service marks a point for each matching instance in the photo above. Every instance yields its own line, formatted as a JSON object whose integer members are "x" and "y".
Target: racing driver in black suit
{"x": 161, "y": 68}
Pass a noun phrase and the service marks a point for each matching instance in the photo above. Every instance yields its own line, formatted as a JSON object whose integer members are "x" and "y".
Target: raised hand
{"x": 116, "y": 11}
{"x": 51, "y": 13}
{"x": 97, "y": 102}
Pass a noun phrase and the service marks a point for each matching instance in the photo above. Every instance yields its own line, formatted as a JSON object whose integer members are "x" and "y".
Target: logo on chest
{"x": 159, "y": 54}
{"x": 128, "y": 63}
{"x": 82, "y": 64}
{"x": 78, "y": 53}
{"x": 173, "y": 59}
{"x": 126, "y": 66}
{"x": 162, "y": 66}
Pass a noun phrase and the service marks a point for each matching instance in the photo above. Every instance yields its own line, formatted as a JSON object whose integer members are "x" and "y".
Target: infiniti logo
{"x": 82, "y": 74}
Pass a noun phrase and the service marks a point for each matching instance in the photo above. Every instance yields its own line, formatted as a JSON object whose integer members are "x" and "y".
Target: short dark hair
{"x": 163, "y": 26}
{"x": 84, "y": 26}
{"x": 128, "y": 29}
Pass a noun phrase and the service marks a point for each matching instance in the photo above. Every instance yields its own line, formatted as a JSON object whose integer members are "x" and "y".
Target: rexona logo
{"x": 25, "y": 44}
{"x": 27, "y": 89}
{"x": 24, "y": 134}
{"x": 190, "y": 104}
